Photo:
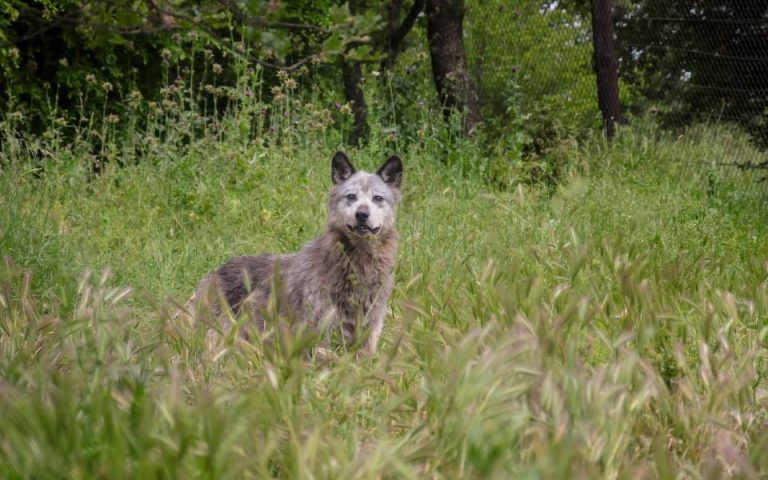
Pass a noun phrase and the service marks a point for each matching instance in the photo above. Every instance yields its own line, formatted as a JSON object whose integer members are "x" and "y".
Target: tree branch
{"x": 252, "y": 21}
{"x": 397, "y": 37}
{"x": 223, "y": 42}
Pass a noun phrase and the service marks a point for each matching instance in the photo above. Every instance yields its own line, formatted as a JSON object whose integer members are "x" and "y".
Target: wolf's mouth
{"x": 361, "y": 229}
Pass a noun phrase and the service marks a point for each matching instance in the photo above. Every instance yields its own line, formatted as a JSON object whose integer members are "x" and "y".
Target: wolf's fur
{"x": 339, "y": 281}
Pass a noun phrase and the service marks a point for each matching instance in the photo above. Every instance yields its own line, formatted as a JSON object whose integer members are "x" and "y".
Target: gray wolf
{"x": 337, "y": 284}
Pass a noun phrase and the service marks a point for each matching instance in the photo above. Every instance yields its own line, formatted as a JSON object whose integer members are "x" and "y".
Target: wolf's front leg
{"x": 375, "y": 325}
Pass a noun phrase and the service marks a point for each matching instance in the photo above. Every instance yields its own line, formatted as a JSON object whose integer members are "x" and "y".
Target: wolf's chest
{"x": 356, "y": 288}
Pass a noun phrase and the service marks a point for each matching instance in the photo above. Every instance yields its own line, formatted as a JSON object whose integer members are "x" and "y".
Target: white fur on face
{"x": 363, "y": 192}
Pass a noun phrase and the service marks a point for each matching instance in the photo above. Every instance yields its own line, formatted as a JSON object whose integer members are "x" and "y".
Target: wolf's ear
{"x": 392, "y": 171}
{"x": 341, "y": 168}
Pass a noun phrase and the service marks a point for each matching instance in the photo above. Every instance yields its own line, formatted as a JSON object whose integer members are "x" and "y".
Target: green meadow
{"x": 609, "y": 325}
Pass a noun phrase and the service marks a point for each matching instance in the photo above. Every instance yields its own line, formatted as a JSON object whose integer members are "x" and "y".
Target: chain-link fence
{"x": 684, "y": 63}
{"x": 532, "y": 63}
{"x": 703, "y": 62}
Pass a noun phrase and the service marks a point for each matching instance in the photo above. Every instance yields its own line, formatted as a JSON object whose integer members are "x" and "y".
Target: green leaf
{"x": 339, "y": 14}
{"x": 364, "y": 53}
{"x": 333, "y": 44}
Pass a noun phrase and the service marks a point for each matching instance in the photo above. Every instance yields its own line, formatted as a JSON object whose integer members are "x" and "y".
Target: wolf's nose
{"x": 361, "y": 216}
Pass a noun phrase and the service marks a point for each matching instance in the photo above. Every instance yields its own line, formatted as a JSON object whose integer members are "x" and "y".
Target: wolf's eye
{"x": 351, "y": 197}
{"x": 378, "y": 198}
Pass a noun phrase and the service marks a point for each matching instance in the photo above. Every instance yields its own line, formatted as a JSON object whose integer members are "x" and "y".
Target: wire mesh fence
{"x": 703, "y": 62}
{"x": 532, "y": 63}
{"x": 684, "y": 63}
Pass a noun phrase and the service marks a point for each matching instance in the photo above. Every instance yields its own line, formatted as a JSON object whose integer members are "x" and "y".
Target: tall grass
{"x": 613, "y": 326}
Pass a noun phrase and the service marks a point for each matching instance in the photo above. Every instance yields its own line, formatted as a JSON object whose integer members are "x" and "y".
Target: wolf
{"x": 339, "y": 282}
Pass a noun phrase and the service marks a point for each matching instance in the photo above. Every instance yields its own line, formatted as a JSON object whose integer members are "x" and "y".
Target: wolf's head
{"x": 362, "y": 205}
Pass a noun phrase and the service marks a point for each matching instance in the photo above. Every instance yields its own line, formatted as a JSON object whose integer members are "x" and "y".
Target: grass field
{"x": 614, "y": 326}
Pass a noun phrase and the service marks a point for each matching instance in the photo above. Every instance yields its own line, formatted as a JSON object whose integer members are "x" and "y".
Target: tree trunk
{"x": 352, "y": 77}
{"x": 393, "y": 23}
{"x": 352, "y": 74}
{"x": 605, "y": 64}
{"x": 445, "y": 33}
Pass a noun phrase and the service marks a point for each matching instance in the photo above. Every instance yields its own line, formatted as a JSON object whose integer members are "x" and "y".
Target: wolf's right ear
{"x": 341, "y": 168}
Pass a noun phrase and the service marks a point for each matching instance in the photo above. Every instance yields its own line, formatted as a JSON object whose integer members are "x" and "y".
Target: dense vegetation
{"x": 564, "y": 307}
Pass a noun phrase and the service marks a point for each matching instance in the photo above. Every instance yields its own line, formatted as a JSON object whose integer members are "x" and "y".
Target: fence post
{"x": 605, "y": 64}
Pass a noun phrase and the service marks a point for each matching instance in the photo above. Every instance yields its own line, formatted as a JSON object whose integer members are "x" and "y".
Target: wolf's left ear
{"x": 392, "y": 171}
{"x": 341, "y": 168}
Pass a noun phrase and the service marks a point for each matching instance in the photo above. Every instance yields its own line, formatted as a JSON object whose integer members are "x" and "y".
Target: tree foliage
{"x": 49, "y": 50}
